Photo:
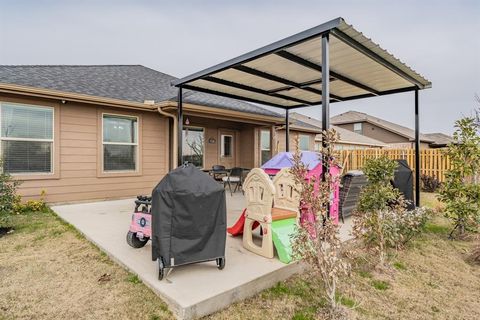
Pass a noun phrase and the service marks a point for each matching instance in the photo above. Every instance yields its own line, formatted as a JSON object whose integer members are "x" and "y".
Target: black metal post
{"x": 325, "y": 94}
{"x": 417, "y": 151}
{"x": 287, "y": 131}
{"x": 180, "y": 127}
{"x": 325, "y": 104}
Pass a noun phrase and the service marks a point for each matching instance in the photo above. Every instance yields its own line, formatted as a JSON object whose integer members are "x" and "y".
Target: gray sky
{"x": 439, "y": 39}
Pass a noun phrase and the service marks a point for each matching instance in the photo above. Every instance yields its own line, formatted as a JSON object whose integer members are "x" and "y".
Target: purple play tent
{"x": 314, "y": 165}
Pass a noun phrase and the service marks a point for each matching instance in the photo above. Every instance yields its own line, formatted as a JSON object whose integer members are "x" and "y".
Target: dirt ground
{"x": 428, "y": 280}
{"x": 49, "y": 271}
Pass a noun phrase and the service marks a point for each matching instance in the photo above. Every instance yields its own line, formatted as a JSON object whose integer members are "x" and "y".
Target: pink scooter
{"x": 140, "y": 229}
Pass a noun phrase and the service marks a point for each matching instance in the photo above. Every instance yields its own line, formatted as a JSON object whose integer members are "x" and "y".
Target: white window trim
{"x": 52, "y": 140}
{"x": 121, "y": 143}
{"x": 299, "y": 139}
{"x": 269, "y": 143}
{"x": 358, "y": 131}
{"x": 222, "y": 146}
{"x": 204, "y": 145}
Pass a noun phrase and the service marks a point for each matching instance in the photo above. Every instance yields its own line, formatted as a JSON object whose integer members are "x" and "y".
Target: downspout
{"x": 173, "y": 148}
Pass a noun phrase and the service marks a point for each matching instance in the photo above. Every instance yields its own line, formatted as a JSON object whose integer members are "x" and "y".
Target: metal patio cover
{"x": 288, "y": 73}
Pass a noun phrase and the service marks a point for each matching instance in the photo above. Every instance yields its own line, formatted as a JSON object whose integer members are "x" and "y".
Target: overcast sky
{"x": 439, "y": 39}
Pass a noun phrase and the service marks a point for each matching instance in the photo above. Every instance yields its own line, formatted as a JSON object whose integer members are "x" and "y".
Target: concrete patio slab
{"x": 191, "y": 291}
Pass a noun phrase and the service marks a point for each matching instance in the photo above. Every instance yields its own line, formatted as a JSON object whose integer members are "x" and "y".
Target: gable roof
{"x": 345, "y": 136}
{"x": 440, "y": 139}
{"x": 355, "y": 116}
{"x": 133, "y": 83}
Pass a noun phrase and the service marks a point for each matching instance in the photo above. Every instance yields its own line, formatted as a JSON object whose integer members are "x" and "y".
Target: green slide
{"x": 281, "y": 233}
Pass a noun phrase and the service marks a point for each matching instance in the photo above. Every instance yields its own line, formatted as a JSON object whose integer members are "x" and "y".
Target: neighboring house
{"x": 96, "y": 132}
{"x": 348, "y": 140}
{"x": 392, "y": 134}
{"x": 440, "y": 140}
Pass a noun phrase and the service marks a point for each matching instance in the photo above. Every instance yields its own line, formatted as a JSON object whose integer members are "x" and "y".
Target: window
{"x": 226, "y": 147}
{"x": 193, "y": 146}
{"x": 26, "y": 138}
{"x": 120, "y": 142}
{"x": 304, "y": 142}
{"x": 265, "y": 149}
{"x": 357, "y": 128}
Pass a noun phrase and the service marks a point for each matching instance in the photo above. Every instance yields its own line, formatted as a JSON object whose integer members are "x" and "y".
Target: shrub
{"x": 429, "y": 183}
{"x": 9, "y": 200}
{"x": 461, "y": 190}
{"x": 318, "y": 242}
{"x": 382, "y": 220}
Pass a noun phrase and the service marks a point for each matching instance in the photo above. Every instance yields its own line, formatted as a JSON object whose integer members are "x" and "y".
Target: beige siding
{"x": 279, "y": 140}
{"x": 243, "y": 137}
{"x": 79, "y": 173}
{"x": 378, "y": 133}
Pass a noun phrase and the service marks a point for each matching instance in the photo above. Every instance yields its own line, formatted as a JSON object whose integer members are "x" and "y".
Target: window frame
{"x": 361, "y": 128}
{"x": 222, "y": 145}
{"x": 54, "y": 151}
{"x": 269, "y": 143}
{"x": 137, "y": 144}
{"x": 299, "y": 138}
{"x": 204, "y": 130}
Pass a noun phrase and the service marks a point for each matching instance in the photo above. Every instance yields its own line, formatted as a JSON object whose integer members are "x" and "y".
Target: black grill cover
{"x": 188, "y": 218}
{"x": 403, "y": 181}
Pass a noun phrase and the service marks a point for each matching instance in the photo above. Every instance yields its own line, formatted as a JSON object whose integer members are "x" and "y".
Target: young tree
{"x": 461, "y": 190}
{"x": 317, "y": 240}
{"x": 381, "y": 219}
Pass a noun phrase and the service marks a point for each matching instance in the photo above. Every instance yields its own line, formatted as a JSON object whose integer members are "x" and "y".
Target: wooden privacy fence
{"x": 433, "y": 162}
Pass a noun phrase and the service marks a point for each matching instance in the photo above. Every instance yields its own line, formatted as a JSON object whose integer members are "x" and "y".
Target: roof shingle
{"x": 134, "y": 83}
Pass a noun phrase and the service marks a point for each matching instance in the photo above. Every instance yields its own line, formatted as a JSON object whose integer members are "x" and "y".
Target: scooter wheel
{"x": 134, "y": 242}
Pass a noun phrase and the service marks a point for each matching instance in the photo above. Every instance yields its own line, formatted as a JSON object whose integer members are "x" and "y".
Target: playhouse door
{"x": 227, "y": 145}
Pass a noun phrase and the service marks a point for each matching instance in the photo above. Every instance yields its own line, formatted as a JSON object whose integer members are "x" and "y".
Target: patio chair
{"x": 234, "y": 176}
{"x": 218, "y": 172}
{"x": 259, "y": 192}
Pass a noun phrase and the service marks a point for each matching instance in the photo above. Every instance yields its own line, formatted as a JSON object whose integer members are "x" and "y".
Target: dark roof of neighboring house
{"x": 440, "y": 139}
{"x": 346, "y": 136}
{"x": 134, "y": 83}
{"x": 355, "y": 116}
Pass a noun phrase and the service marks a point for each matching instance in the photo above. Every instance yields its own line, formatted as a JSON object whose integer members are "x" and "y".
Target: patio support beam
{"x": 228, "y": 95}
{"x": 308, "y": 64}
{"x": 275, "y": 78}
{"x": 417, "y": 151}
{"x": 287, "y": 131}
{"x": 253, "y": 89}
{"x": 180, "y": 127}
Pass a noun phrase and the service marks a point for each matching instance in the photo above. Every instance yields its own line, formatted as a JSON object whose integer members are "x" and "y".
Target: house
{"x": 440, "y": 140}
{"x": 348, "y": 140}
{"x": 392, "y": 134}
{"x": 109, "y": 131}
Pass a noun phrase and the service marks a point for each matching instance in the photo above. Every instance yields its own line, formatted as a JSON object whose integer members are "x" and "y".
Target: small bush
{"x": 381, "y": 220}
{"x": 461, "y": 190}
{"x": 429, "y": 183}
{"x": 9, "y": 200}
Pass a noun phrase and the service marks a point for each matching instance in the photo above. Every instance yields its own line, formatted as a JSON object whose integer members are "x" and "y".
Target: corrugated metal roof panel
{"x": 290, "y": 69}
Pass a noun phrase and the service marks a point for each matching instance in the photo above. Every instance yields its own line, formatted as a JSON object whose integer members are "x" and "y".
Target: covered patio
{"x": 326, "y": 64}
